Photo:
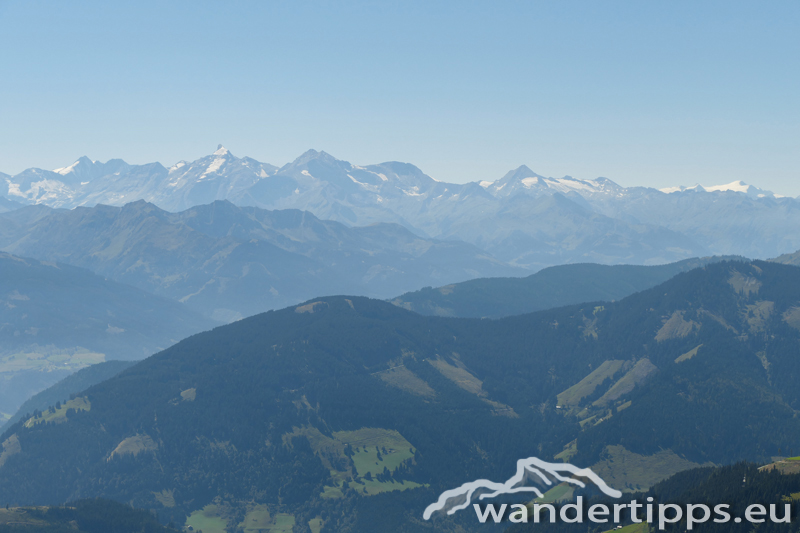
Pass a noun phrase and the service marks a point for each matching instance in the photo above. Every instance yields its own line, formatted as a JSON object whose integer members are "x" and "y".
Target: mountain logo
{"x": 529, "y": 470}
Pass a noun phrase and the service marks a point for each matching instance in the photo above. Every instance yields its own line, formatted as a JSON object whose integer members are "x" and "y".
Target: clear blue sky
{"x": 651, "y": 93}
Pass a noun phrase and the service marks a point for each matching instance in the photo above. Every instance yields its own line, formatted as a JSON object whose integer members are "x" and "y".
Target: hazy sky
{"x": 650, "y": 93}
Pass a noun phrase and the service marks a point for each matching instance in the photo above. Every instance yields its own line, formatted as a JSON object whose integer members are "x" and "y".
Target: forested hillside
{"x": 56, "y": 318}
{"x": 56, "y": 304}
{"x": 84, "y": 516}
{"x": 552, "y": 287}
{"x": 64, "y": 389}
{"x": 352, "y": 414}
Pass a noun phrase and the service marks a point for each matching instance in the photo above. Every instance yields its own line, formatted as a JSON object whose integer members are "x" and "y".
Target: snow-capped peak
{"x": 734, "y": 186}
{"x": 66, "y": 170}
{"x": 523, "y": 179}
{"x": 176, "y": 166}
{"x": 83, "y": 163}
{"x": 562, "y": 185}
{"x": 221, "y": 150}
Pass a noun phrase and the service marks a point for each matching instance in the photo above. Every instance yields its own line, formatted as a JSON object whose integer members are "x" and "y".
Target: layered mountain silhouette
{"x": 359, "y": 414}
{"x": 523, "y": 218}
{"x": 548, "y": 288}
{"x": 56, "y": 318}
{"x": 229, "y": 262}
{"x": 58, "y": 304}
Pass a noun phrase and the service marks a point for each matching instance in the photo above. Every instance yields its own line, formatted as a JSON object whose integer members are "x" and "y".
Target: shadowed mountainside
{"x": 358, "y": 413}
{"x": 552, "y": 287}
{"x": 56, "y": 318}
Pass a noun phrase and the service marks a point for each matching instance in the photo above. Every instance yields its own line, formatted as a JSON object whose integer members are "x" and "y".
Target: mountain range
{"x": 347, "y": 413}
{"x": 350, "y": 414}
{"x": 228, "y": 262}
{"x": 522, "y": 218}
{"x": 483, "y": 297}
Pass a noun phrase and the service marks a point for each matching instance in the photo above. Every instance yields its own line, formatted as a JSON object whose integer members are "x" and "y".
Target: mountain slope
{"x": 85, "y": 516}
{"x": 57, "y": 304}
{"x": 789, "y": 259}
{"x": 319, "y": 411}
{"x": 8, "y": 205}
{"x": 56, "y": 318}
{"x": 552, "y": 287}
{"x": 72, "y": 384}
{"x": 229, "y": 262}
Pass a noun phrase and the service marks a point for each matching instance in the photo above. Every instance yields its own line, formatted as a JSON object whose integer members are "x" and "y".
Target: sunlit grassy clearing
{"x": 60, "y": 414}
{"x": 207, "y": 520}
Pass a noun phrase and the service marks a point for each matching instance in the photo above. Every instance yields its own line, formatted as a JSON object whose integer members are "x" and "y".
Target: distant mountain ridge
{"x": 58, "y": 304}
{"x": 229, "y": 262}
{"x": 88, "y": 183}
{"x": 734, "y": 186}
{"x": 552, "y": 287}
{"x": 8, "y": 205}
{"x": 523, "y": 218}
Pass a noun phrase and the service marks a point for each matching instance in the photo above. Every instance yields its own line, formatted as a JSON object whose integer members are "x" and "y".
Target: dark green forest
{"x": 356, "y": 414}
{"x": 550, "y": 287}
{"x": 82, "y": 516}
{"x": 64, "y": 389}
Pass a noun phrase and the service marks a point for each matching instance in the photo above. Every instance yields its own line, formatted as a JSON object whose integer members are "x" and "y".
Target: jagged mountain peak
{"x": 220, "y": 154}
{"x": 522, "y": 171}
{"x": 85, "y": 170}
{"x": 523, "y": 179}
{"x": 82, "y": 161}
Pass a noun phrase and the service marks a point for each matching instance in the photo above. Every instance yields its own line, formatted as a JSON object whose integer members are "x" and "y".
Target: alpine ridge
{"x": 523, "y": 218}
{"x": 229, "y": 262}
